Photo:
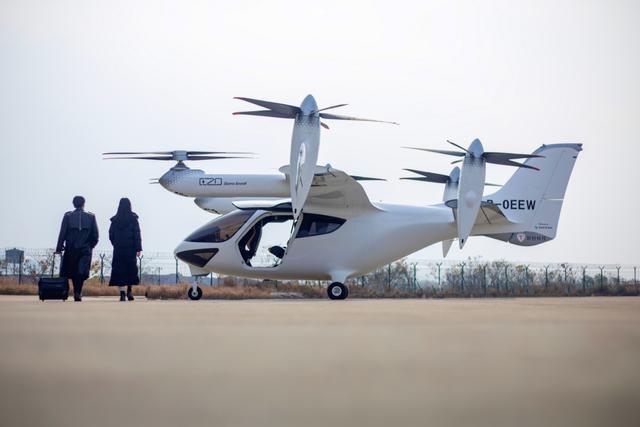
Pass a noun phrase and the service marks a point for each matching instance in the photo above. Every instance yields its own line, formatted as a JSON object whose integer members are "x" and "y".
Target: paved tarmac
{"x": 510, "y": 362}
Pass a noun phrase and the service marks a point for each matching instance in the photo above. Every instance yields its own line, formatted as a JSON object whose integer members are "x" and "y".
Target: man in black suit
{"x": 78, "y": 236}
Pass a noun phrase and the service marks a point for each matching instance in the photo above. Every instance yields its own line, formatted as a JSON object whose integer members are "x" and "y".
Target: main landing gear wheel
{"x": 195, "y": 294}
{"x": 337, "y": 290}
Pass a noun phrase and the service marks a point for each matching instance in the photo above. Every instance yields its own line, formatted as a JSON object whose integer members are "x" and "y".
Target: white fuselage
{"x": 362, "y": 244}
{"x": 366, "y": 241}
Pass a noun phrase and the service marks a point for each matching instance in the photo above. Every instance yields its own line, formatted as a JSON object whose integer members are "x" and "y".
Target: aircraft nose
{"x": 197, "y": 257}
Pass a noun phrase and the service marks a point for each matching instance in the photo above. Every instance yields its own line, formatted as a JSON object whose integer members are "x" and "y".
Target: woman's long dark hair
{"x": 124, "y": 213}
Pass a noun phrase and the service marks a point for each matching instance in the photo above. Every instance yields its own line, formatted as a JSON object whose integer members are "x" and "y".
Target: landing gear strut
{"x": 195, "y": 293}
{"x": 337, "y": 290}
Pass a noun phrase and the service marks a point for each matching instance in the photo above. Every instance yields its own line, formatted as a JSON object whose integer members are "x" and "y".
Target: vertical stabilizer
{"x": 534, "y": 198}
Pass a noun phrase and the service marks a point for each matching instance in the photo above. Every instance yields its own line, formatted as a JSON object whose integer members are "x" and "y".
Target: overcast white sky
{"x": 80, "y": 78}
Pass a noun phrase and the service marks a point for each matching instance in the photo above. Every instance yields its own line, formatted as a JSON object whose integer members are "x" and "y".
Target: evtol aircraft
{"x": 330, "y": 230}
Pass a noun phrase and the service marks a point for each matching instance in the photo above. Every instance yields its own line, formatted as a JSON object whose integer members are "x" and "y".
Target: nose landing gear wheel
{"x": 337, "y": 290}
{"x": 194, "y": 295}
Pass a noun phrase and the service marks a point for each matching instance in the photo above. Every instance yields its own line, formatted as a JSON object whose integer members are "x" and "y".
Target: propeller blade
{"x": 459, "y": 146}
{"x": 140, "y": 158}
{"x": 492, "y": 185}
{"x": 291, "y": 111}
{"x": 169, "y": 153}
{"x": 266, "y": 113}
{"x": 137, "y": 152}
{"x": 430, "y": 176}
{"x": 417, "y": 178}
{"x": 456, "y": 161}
{"x": 512, "y": 163}
{"x": 366, "y": 178}
{"x": 219, "y": 152}
{"x": 489, "y": 156}
{"x": 340, "y": 117}
{"x": 447, "y": 152}
{"x": 328, "y": 108}
{"x": 215, "y": 157}
{"x": 324, "y": 125}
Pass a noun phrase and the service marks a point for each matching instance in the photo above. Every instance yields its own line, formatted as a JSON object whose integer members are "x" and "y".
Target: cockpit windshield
{"x": 221, "y": 229}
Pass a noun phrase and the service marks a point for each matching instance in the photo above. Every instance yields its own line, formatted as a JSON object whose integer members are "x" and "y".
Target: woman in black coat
{"x": 124, "y": 234}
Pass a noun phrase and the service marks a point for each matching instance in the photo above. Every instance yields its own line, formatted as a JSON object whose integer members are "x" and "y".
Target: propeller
{"x": 286, "y": 111}
{"x": 467, "y": 191}
{"x": 488, "y": 156}
{"x": 176, "y": 155}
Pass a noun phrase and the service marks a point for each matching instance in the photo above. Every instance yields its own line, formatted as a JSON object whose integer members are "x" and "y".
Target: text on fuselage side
{"x": 219, "y": 181}
{"x": 516, "y": 204}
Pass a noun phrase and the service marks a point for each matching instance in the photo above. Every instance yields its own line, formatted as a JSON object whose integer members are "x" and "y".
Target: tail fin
{"x": 534, "y": 198}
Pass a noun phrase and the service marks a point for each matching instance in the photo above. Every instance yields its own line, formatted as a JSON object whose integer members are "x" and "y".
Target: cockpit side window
{"x": 315, "y": 225}
{"x": 222, "y": 228}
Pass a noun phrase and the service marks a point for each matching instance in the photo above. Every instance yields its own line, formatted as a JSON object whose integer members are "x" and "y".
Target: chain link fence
{"x": 471, "y": 277}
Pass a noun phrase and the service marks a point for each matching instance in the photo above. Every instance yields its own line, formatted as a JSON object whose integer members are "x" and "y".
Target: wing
{"x": 489, "y": 213}
{"x": 333, "y": 189}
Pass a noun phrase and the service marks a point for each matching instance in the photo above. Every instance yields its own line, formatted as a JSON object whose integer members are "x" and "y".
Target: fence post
{"x": 140, "y": 266}
{"x": 584, "y": 279}
{"x": 506, "y": 279}
{"x": 389, "y": 273}
{"x": 526, "y": 279}
{"x": 20, "y": 269}
{"x": 484, "y": 280}
{"x": 462, "y": 264}
{"x": 635, "y": 282}
{"x": 211, "y": 279}
{"x": 439, "y": 283}
{"x": 102, "y": 268}
{"x": 601, "y": 278}
{"x": 177, "y": 277}
{"x": 53, "y": 264}
{"x": 618, "y": 268}
{"x": 546, "y": 276}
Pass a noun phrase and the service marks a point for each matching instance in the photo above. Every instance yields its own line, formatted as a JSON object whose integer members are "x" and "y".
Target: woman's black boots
{"x": 129, "y": 293}
{"x": 122, "y": 297}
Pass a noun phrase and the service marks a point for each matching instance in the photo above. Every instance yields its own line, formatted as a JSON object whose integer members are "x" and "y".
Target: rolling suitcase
{"x": 53, "y": 287}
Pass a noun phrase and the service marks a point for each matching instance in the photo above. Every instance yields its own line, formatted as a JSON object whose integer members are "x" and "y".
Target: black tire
{"x": 337, "y": 290}
{"x": 196, "y": 296}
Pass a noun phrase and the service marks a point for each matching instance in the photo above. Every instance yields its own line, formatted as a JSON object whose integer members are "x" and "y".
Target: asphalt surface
{"x": 512, "y": 362}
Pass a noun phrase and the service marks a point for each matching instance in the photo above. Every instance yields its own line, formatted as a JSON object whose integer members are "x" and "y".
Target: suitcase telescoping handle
{"x": 53, "y": 264}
